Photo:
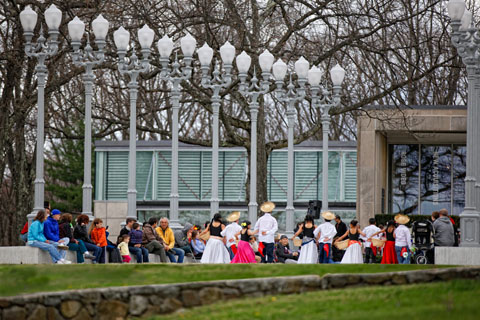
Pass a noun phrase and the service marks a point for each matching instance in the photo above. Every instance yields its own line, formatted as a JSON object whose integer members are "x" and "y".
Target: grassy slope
{"x": 441, "y": 300}
{"x": 19, "y": 279}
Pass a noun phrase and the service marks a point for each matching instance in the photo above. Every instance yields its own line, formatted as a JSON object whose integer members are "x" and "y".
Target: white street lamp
{"x": 227, "y": 53}
{"x": 100, "y": 28}
{"x": 455, "y": 9}
{"x": 53, "y": 17}
{"x": 188, "y": 45}
{"x": 76, "y": 29}
{"x": 145, "y": 37}
{"x": 243, "y": 61}
{"x": 279, "y": 69}
{"x": 165, "y": 47}
{"x": 121, "y": 37}
{"x": 205, "y": 55}
{"x": 314, "y": 76}
{"x": 266, "y": 61}
{"x": 301, "y": 68}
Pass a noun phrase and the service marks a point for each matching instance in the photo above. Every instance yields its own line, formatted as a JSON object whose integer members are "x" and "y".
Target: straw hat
{"x": 234, "y": 216}
{"x": 378, "y": 242}
{"x": 267, "y": 207}
{"x": 327, "y": 215}
{"x": 401, "y": 219}
{"x": 342, "y": 245}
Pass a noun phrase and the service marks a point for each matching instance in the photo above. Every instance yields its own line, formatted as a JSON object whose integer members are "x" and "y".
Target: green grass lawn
{"x": 19, "y": 279}
{"x": 456, "y": 299}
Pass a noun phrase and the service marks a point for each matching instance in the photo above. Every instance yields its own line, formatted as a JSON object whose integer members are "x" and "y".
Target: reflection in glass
{"x": 459, "y": 171}
{"x": 405, "y": 178}
{"x": 436, "y": 179}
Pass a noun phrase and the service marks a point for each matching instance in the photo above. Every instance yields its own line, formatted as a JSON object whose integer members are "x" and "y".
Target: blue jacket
{"x": 35, "y": 233}
{"x": 136, "y": 236}
{"x": 50, "y": 229}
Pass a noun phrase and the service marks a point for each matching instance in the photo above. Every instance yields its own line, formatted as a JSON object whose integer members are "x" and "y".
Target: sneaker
{"x": 62, "y": 247}
{"x": 66, "y": 261}
{"x": 88, "y": 255}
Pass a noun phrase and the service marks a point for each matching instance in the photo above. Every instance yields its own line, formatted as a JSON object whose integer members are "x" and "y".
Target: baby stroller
{"x": 422, "y": 232}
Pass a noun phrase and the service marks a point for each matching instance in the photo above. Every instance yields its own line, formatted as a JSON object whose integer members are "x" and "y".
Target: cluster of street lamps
{"x": 174, "y": 71}
{"x": 466, "y": 38}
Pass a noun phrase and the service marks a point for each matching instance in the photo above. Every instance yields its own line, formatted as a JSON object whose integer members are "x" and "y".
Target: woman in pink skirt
{"x": 245, "y": 252}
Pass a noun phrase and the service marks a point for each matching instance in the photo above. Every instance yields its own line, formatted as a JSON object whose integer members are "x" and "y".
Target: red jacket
{"x": 99, "y": 237}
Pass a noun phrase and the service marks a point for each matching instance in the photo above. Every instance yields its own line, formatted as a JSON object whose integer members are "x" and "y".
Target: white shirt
{"x": 269, "y": 224}
{"x": 371, "y": 229}
{"x": 326, "y": 230}
{"x": 402, "y": 237}
{"x": 230, "y": 231}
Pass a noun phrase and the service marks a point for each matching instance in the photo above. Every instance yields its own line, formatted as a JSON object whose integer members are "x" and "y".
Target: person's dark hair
{"x": 194, "y": 234}
{"x": 435, "y": 215}
{"x": 40, "y": 216}
{"x": 66, "y": 217}
{"x": 83, "y": 218}
{"x": 206, "y": 224}
{"x": 125, "y": 236}
{"x": 217, "y": 217}
{"x": 381, "y": 226}
{"x": 245, "y": 224}
{"x": 308, "y": 218}
{"x": 152, "y": 221}
{"x": 371, "y": 221}
{"x": 46, "y": 204}
{"x": 130, "y": 220}
{"x": 135, "y": 225}
{"x": 338, "y": 217}
{"x": 390, "y": 224}
{"x": 354, "y": 223}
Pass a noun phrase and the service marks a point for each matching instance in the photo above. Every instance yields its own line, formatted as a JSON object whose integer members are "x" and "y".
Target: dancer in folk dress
{"x": 354, "y": 250}
{"x": 389, "y": 254}
{"x": 245, "y": 252}
{"x": 309, "y": 251}
{"x": 215, "y": 251}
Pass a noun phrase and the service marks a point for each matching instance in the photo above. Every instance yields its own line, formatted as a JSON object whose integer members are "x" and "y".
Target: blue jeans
{"x": 268, "y": 252}
{"x": 97, "y": 251}
{"x": 47, "y": 247}
{"x": 323, "y": 257}
{"x": 24, "y": 237}
{"x": 402, "y": 260}
{"x": 175, "y": 252}
{"x": 139, "y": 253}
{"x": 79, "y": 248}
{"x": 230, "y": 251}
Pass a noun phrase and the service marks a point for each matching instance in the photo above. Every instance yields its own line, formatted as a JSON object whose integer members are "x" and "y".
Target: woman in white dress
{"x": 309, "y": 250}
{"x": 354, "y": 250}
{"x": 215, "y": 250}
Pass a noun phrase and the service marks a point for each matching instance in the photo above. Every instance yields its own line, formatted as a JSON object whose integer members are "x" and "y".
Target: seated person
{"x": 182, "y": 238}
{"x": 197, "y": 244}
{"x": 283, "y": 252}
{"x": 166, "y": 233}
{"x": 66, "y": 231}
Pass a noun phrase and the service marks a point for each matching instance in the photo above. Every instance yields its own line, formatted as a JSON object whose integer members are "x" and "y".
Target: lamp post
{"x": 175, "y": 74}
{"x": 216, "y": 82}
{"x": 325, "y": 99}
{"x": 41, "y": 50}
{"x": 133, "y": 67}
{"x": 251, "y": 92}
{"x": 290, "y": 96}
{"x": 466, "y": 38}
{"x": 88, "y": 58}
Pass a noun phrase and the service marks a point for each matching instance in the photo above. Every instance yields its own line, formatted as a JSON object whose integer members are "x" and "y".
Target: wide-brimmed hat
{"x": 327, "y": 215}
{"x": 401, "y": 219}
{"x": 267, "y": 207}
{"x": 234, "y": 216}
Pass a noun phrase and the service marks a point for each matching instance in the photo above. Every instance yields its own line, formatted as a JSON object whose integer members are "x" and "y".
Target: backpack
{"x": 115, "y": 256}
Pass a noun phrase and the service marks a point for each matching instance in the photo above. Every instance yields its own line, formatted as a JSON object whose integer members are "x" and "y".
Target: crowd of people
{"x": 234, "y": 242}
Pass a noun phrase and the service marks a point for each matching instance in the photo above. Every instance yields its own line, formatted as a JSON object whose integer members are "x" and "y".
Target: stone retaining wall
{"x": 138, "y": 301}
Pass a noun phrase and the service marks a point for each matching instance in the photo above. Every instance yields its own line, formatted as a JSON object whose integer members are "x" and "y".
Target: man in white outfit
{"x": 324, "y": 233}
{"x": 230, "y": 231}
{"x": 267, "y": 226}
{"x": 370, "y": 251}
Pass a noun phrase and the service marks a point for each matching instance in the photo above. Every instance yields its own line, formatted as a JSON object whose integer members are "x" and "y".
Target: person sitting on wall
{"x": 52, "y": 232}
{"x": 444, "y": 234}
{"x": 283, "y": 252}
{"x": 166, "y": 233}
{"x": 66, "y": 231}
{"x": 182, "y": 238}
{"x": 80, "y": 232}
{"x": 140, "y": 252}
{"x": 152, "y": 241}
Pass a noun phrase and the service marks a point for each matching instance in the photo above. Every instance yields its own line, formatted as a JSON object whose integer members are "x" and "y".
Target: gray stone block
{"x": 467, "y": 256}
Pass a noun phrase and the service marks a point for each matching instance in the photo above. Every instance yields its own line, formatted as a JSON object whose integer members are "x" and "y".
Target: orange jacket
{"x": 99, "y": 236}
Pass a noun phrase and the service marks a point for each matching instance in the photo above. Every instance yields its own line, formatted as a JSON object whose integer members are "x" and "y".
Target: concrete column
{"x": 214, "y": 201}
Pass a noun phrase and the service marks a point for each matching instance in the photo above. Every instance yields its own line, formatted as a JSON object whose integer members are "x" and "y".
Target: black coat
{"x": 282, "y": 253}
{"x": 341, "y": 229}
{"x": 81, "y": 233}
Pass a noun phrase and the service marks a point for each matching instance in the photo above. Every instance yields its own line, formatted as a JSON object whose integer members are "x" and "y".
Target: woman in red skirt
{"x": 245, "y": 252}
{"x": 389, "y": 254}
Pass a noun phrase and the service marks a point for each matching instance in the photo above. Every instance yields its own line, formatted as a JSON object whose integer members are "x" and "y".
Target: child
{"x": 197, "y": 244}
{"x": 99, "y": 237}
{"x": 123, "y": 247}
{"x": 135, "y": 234}
{"x": 245, "y": 252}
